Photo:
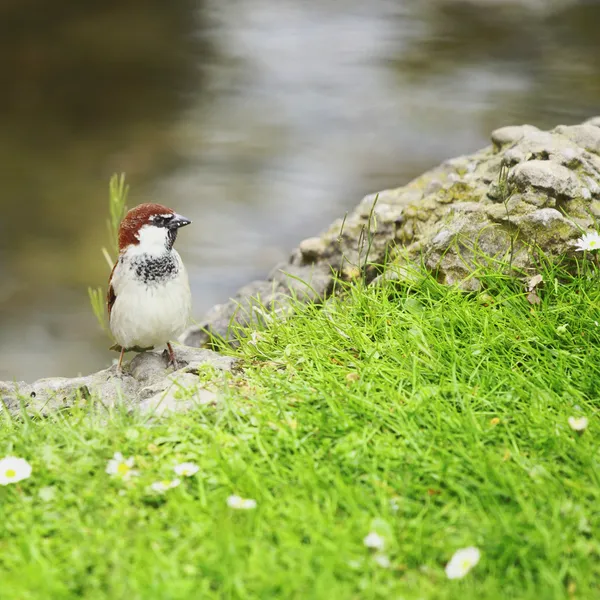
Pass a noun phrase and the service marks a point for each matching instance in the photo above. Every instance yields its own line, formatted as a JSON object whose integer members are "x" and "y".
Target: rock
{"x": 256, "y": 303}
{"x": 144, "y": 383}
{"x": 548, "y": 177}
{"x": 587, "y": 136}
{"x": 177, "y": 393}
{"x": 546, "y": 228}
{"x": 511, "y": 134}
{"x": 304, "y": 282}
{"x": 595, "y": 121}
{"x": 529, "y": 186}
{"x": 312, "y": 249}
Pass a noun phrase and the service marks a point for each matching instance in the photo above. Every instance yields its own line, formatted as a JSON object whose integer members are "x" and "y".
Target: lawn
{"x": 435, "y": 419}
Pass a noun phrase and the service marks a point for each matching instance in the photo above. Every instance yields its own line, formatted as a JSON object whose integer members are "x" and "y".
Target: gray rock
{"x": 177, "y": 393}
{"x": 548, "y": 177}
{"x": 145, "y": 380}
{"x": 312, "y": 249}
{"x": 304, "y": 282}
{"x": 257, "y": 302}
{"x": 511, "y": 134}
{"x": 587, "y": 136}
{"x": 595, "y": 121}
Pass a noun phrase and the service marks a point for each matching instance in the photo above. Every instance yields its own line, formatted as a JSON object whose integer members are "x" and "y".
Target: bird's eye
{"x": 161, "y": 220}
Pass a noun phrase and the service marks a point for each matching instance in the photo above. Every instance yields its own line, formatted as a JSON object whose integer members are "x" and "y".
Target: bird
{"x": 148, "y": 299}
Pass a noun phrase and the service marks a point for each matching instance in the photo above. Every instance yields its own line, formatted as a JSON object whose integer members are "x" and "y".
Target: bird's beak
{"x": 178, "y": 221}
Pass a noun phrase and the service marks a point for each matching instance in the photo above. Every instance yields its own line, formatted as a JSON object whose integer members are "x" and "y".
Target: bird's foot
{"x": 119, "y": 370}
{"x": 171, "y": 360}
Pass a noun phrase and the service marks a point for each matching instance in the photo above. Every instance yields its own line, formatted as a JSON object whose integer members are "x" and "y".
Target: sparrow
{"x": 149, "y": 299}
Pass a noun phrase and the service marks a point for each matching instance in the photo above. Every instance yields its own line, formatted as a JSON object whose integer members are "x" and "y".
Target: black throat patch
{"x": 157, "y": 269}
{"x": 171, "y": 237}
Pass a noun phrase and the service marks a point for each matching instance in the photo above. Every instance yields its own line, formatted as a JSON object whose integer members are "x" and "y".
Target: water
{"x": 261, "y": 120}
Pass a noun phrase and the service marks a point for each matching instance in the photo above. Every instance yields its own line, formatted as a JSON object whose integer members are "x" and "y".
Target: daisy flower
{"x": 588, "y": 241}
{"x": 186, "y": 469}
{"x": 578, "y": 423}
{"x": 382, "y": 560}
{"x": 160, "y": 487}
{"x": 121, "y": 467}
{"x": 13, "y": 469}
{"x": 462, "y": 562}
{"x": 374, "y": 540}
{"x": 240, "y": 503}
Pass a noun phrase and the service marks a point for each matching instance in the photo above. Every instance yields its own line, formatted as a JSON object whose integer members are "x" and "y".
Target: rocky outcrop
{"x": 529, "y": 190}
{"x": 146, "y": 384}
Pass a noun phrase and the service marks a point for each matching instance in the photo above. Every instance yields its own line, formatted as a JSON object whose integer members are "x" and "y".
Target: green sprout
{"x": 117, "y": 208}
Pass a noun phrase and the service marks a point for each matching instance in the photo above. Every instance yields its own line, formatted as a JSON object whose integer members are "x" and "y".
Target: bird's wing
{"x": 111, "y": 296}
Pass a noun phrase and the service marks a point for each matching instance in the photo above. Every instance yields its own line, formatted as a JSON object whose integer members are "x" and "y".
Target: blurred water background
{"x": 261, "y": 120}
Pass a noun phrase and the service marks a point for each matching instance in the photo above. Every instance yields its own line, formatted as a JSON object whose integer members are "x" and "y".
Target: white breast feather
{"x": 149, "y": 315}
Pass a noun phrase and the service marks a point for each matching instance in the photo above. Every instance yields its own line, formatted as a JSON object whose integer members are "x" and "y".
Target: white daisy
{"x": 13, "y": 469}
{"x": 462, "y": 562}
{"x": 240, "y": 503}
{"x": 186, "y": 469}
{"x": 578, "y": 423}
{"x": 121, "y": 467}
{"x": 382, "y": 560}
{"x": 374, "y": 540}
{"x": 161, "y": 487}
{"x": 588, "y": 241}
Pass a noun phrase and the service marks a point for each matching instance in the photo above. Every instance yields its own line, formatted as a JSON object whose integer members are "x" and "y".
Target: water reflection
{"x": 262, "y": 120}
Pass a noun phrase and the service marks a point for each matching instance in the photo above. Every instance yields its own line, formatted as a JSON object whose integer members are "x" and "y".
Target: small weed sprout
{"x": 367, "y": 237}
{"x": 505, "y": 192}
{"x": 117, "y": 208}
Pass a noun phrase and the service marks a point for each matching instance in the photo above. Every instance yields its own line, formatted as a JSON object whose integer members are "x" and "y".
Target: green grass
{"x": 436, "y": 418}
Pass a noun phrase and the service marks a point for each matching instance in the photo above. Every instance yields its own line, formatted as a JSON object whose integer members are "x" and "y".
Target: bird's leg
{"x": 171, "y": 355}
{"x": 119, "y": 368}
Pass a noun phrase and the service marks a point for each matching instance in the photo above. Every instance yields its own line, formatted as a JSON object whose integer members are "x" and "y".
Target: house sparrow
{"x": 149, "y": 299}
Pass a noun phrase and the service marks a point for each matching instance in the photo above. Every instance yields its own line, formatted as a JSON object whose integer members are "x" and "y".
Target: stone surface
{"x": 254, "y": 304}
{"x": 176, "y": 393}
{"x": 529, "y": 188}
{"x": 146, "y": 383}
{"x": 511, "y": 134}
{"x": 547, "y": 177}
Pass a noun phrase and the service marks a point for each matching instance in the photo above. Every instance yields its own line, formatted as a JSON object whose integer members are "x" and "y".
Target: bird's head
{"x": 150, "y": 227}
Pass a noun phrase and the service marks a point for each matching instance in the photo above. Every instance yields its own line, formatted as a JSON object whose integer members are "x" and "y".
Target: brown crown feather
{"x": 135, "y": 219}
